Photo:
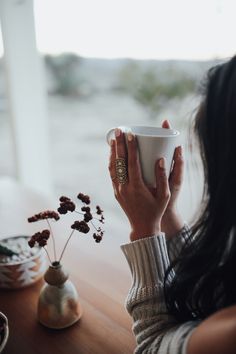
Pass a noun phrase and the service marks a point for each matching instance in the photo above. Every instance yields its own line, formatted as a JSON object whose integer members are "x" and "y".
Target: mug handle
{"x": 6, "y": 332}
{"x": 111, "y": 133}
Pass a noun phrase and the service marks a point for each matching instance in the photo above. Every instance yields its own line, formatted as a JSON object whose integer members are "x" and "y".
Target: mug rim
{"x": 174, "y": 133}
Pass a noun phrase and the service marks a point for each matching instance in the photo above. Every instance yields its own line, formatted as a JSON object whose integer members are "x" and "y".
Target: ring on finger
{"x": 121, "y": 170}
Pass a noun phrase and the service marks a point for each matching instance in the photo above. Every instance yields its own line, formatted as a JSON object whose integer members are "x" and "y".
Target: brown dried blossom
{"x": 48, "y": 214}
{"x": 66, "y": 205}
{"x": 99, "y": 210}
{"x": 102, "y": 219}
{"x": 81, "y": 226}
{"x": 64, "y": 199}
{"x": 86, "y": 209}
{"x": 40, "y": 238}
{"x": 87, "y": 217}
{"x": 84, "y": 198}
{"x": 98, "y": 236}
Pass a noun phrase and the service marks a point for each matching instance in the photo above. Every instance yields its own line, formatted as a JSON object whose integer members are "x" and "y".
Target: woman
{"x": 183, "y": 293}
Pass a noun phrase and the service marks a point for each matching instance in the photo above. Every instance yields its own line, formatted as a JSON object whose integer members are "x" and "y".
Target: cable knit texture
{"x": 156, "y": 331}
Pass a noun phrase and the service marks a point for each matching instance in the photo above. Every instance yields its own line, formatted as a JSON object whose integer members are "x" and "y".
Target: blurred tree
{"x": 154, "y": 90}
{"x": 64, "y": 69}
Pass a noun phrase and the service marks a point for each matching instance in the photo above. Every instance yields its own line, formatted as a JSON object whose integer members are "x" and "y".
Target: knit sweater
{"x": 156, "y": 330}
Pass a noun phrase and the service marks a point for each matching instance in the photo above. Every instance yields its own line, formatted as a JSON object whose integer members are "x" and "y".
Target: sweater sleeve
{"x": 156, "y": 331}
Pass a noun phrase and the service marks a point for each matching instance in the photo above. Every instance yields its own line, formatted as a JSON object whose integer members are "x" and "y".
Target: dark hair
{"x": 204, "y": 273}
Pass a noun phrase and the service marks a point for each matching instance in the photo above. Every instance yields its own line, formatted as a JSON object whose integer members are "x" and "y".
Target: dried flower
{"x": 64, "y": 199}
{"x": 99, "y": 210}
{"x": 40, "y": 238}
{"x": 86, "y": 209}
{"x": 102, "y": 219}
{"x": 98, "y": 237}
{"x": 87, "y": 217}
{"x": 66, "y": 204}
{"x": 48, "y": 214}
{"x": 31, "y": 243}
{"x": 84, "y": 198}
{"x": 81, "y": 226}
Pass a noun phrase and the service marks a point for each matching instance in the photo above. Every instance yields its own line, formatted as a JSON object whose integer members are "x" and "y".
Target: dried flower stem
{"x": 94, "y": 217}
{"x": 53, "y": 240}
{"x": 93, "y": 225}
{"x": 90, "y": 220}
{"x": 66, "y": 245}
{"x": 79, "y": 212}
{"x": 48, "y": 255}
{"x": 83, "y": 214}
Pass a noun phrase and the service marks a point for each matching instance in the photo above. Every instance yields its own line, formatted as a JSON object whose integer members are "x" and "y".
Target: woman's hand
{"x": 172, "y": 222}
{"x": 143, "y": 207}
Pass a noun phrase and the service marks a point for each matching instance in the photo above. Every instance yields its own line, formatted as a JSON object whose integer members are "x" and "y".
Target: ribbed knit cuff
{"x": 176, "y": 243}
{"x": 148, "y": 260}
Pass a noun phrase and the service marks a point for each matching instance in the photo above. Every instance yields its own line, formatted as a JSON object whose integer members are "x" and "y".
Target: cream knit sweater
{"x": 155, "y": 330}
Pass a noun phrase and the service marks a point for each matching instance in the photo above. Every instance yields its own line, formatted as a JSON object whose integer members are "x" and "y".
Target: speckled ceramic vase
{"x": 58, "y": 305}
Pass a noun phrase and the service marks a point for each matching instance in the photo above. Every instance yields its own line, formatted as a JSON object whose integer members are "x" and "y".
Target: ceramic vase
{"x": 58, "y": 304}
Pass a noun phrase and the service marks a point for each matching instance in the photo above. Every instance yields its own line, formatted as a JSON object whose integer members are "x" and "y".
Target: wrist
{"x": 172, "y": 210}
{"x": 172, "y": 222}
{"x": 144, "y": 232}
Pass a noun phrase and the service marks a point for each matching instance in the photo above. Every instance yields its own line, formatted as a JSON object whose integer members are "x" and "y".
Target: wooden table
{"x": 105, "y": 327}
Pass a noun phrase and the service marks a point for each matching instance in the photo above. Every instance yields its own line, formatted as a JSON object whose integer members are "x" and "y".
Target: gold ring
{"x": 121, "y": 170}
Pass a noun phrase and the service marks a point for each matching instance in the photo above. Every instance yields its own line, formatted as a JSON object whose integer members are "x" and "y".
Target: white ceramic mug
{"x": 153, "y": 143}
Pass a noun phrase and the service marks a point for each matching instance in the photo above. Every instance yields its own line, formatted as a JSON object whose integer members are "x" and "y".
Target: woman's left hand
{"x": 143, "y": 207}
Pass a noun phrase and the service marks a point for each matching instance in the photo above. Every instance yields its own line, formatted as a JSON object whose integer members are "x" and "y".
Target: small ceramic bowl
{"x": 25, "y": 267}
{"x": 4, "y": 331}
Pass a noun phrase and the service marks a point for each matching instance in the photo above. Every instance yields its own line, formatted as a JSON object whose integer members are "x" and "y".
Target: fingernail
{"x": 130, "y": 136}
{"x": 117, "y": 132}
{"x": 180, "y": 151}
{"x": 162, "y": 163}
{"x": 167, "y": 121}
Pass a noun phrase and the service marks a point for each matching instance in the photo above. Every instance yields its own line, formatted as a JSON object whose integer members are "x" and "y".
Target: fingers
{"x": 112, "y": 158}
{"x": 121, "y": 167}
{"x": 120, "y": 144}
{"x": 112, "y": 168}
{"x": 176, "y": 176}
{"x": 166, "y": 124}
{"x": 122, "y": 151}
{"x": 134, "y": 169}
{"x": 162, "y": 184}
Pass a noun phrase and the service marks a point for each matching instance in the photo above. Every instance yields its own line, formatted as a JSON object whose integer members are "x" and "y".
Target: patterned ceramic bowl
{"x": 24, "y": 267}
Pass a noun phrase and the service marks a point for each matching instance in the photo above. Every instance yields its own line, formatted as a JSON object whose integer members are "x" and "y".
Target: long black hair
{"x": 204, "y": 274}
